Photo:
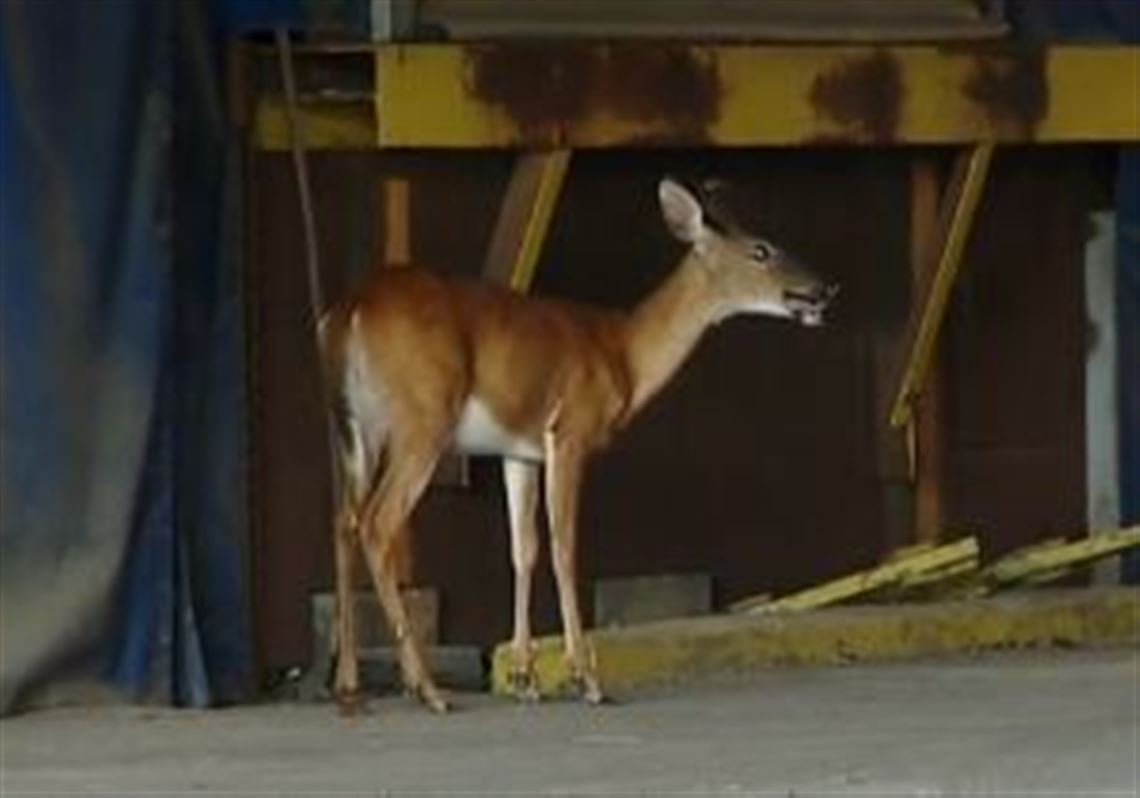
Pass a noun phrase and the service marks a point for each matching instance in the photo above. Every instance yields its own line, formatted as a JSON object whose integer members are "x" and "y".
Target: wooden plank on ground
{"x": 895, "y": 571}
{"x": 1054, "y": 559}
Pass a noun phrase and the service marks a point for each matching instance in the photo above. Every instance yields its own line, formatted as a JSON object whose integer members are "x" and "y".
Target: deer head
{"x": 748, "y": 274}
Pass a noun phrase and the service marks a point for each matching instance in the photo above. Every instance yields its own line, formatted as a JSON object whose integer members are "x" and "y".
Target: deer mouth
{"x": 807, "y": 307}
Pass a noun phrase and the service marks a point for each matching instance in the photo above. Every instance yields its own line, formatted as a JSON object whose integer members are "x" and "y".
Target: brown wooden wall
{"x": 1015, "y": 356}
{"x": 761, "y": 464}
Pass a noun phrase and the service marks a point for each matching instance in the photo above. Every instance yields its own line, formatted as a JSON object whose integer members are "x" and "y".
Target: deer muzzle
{"x": 807, "y": 306}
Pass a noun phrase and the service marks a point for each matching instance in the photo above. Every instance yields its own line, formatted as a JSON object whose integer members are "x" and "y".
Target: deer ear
{"x": 682, "y": 211}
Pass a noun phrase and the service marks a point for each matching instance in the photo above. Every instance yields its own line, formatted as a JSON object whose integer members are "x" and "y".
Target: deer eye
{"x": 761, "y": 251}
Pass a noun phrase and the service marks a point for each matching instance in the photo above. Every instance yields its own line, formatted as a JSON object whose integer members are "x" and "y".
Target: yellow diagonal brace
{"x": 550, "y": 183}
{"x": 525, "y": 217}
{"x": 921, "y": 349}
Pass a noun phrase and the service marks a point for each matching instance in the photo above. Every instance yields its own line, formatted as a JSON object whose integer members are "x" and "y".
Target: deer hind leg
{"x": 346, "y": 682}
{"x": 564, "y": 470}
{"x": 521, "y": 479}
{"x": 386, "y": 518}
{"x": 346, "y": 537}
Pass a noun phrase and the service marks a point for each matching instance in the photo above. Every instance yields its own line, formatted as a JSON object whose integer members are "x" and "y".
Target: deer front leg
{"x": 564, "y": 469}
{"x": 521, "y": 479}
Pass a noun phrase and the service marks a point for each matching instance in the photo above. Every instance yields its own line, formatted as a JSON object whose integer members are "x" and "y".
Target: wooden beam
{"x": 959, "y": 208}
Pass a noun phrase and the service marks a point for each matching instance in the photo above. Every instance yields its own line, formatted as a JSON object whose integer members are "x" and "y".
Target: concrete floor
{"x": 1063, "y": 722}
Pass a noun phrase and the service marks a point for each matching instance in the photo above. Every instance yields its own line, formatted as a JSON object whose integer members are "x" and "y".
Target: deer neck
{"x": 665, "y": 328}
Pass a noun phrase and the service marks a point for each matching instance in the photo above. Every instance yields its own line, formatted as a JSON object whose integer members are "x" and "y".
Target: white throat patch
{"x": 479, "y": 432}
{"x": 768, "y": 308}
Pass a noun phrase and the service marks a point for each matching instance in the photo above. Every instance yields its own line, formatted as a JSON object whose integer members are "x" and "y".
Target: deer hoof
{"x": 590, "y": 691}
{"x": 435, "y": 701}
{"x": 349, "y": 703}
{"x": 429, "y": 695}
{"x": 523, "y": 685}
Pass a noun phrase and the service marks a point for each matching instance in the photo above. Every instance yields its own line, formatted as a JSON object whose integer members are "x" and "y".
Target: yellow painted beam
{"x": 933, "y": 310}
{"x": 598, "y": 95}
{"x": 559, "y": 95}
{"x": 897, "y": 570}
{"x": 671, "y": 651}
{"x": 324, "y": 125}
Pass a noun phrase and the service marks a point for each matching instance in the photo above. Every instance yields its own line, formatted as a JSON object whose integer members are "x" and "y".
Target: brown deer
{"x": 419, "y": 363}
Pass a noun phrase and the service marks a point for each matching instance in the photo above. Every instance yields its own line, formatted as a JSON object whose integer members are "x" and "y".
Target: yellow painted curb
{"x": 675, "y": 650}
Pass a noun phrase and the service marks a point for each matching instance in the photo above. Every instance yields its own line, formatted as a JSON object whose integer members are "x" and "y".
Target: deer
{"x": 418, "y": 364}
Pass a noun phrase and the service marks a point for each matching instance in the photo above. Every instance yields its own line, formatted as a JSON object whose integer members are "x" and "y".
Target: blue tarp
{"x": 121, "y": 470}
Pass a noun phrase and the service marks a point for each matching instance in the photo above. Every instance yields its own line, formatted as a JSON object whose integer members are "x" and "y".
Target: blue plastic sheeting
{"x": 1109, "y": 20}
{"x": 1057, "y": 20}
{"x": 121, "y": 469}
{"x": 240, "y": 16}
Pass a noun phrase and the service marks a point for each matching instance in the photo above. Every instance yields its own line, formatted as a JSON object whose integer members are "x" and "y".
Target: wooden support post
{"x": 938, "y": 242}
{"x": 524, "y": 218}
{"x": 925, "y": 433}
{"x": 397, "y": 221}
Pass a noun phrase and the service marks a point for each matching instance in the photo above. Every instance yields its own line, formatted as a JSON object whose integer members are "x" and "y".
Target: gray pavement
{"x": 1062, "y": 723}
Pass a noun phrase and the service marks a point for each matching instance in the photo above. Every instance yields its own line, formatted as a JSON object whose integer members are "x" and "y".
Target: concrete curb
{"x": 670, "y": 651}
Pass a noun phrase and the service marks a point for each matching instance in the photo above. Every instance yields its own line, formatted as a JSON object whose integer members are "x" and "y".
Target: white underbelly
{"x": 479, "y": 433}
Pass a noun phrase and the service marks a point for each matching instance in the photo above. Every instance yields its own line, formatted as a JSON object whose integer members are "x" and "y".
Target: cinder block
{"x": 371, "y": 629}
{"x": 619, "y": 602}
{"x": 454, "y": 667}
{"x": 371, "y": 625}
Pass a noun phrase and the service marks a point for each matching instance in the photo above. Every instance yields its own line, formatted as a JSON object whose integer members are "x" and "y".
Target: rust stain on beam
{"x": 863, "y": 94}
{"x": 1012, "y": 88}
{"x": 547, "y": 92}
